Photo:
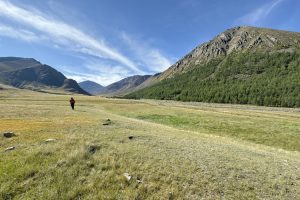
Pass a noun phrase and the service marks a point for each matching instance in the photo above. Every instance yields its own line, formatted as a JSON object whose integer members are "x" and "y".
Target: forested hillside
{"x": 260, "y": 78}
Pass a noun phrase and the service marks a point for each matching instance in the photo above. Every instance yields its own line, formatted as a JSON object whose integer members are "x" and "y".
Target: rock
{"x": 139, "y": 180}
{"x": 127, "y": 176}
{"x": 50, "y": 140}
{"x": 93, "y": 148}
{"x": 10, "y": 148}
{"x": 8, "y": 134}
{"x": 106, "y": 122}
{"x": 130, "y": 137}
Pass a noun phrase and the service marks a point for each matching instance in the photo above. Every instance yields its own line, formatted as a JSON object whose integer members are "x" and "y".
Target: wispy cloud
{"x": 100, "y": 61}
{"x": 80, "y": 77}
{"x": 63, "y": 34}
{"x": 96, "y": 72}
{"x": 148, "y": 56}
{"x": 256, "y": 16}
{"x": 20, "y": 34}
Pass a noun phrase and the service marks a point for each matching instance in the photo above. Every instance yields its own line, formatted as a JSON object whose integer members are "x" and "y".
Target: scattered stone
{"x": 10, "y": 148}
{"x": 106, "y": 122}
{"x": 138, "y": 180}
{"x": 8, "y": 134}
{"x": 50, "y": 140}
{"x": 127, "y": 176}
{"x": 130, "y": 137}
{"x": 93, "y": 148}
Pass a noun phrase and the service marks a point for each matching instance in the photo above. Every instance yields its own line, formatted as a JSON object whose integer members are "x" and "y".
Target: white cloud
{"x": 102, "y": 63}
{"x": 256, "y": 16}
{"x": 98, "y": 71}
{"x": 101, "y": 79}
{"x": 20, "y": 34}
{"x": 152, "y": 58}
{"x": 106, "y": 68}
{"x": 64, "y": 34}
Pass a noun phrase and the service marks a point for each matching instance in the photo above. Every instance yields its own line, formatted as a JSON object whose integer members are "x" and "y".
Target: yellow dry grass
{"x": 178, "y": 150}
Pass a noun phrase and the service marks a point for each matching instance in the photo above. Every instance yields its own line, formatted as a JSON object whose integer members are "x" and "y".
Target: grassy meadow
{"x": 177, "y": 150}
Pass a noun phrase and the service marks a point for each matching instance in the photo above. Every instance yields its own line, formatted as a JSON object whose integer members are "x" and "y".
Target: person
{"x": 72, "y": 102}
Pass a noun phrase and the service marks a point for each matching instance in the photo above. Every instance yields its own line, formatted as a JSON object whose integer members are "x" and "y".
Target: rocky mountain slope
{"x": 240, "y": 65}
{"x": 31, "y": 74}
{"x": 238, "y": 39}
{"x": 92, "y": 87}
{"x": 125, "y": 85}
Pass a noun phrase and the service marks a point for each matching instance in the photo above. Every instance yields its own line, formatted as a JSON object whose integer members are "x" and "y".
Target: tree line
{"x": 259, "y": 78}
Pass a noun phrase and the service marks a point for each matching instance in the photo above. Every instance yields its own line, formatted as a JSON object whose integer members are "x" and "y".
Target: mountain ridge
{"x": 255, "y": 62}
{"x": 28, "y": 73}
{"x": 125, "y": 85}
{"x": 238, "y": 38}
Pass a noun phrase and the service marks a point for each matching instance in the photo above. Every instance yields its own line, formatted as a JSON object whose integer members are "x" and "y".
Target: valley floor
{"x": 171, "y": 150}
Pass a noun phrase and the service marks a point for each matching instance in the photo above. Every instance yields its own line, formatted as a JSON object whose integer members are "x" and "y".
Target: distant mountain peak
{"x": 125, "y": 85}
{"x": 91, "y": 87}
{"x": 90, "y": 82}
{"x": 243, "y": 37}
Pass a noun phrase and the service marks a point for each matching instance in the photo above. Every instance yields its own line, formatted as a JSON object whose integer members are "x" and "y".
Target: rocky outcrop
{"x": 8, "y": 134}
{"x": 233, "y": 40}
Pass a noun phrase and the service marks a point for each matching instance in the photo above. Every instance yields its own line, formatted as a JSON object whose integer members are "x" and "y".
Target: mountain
{"x": 125, "y": 85}
{"x": 245, "y": 65}
{"x": 31, "y": 74}
{"x": 72, "y": 86}
{"x": 92, "y": 87}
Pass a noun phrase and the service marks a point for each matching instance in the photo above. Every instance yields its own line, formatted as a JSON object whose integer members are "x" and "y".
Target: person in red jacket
{"x": 72, "y": 103}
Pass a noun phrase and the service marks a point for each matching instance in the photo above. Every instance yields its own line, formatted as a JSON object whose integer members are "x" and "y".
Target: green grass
{"x": 179, "y": 151}
{"x": 276, "y": 129}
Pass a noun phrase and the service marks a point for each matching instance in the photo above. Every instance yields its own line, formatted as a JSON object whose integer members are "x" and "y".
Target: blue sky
{"x": 107, "y": 40}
